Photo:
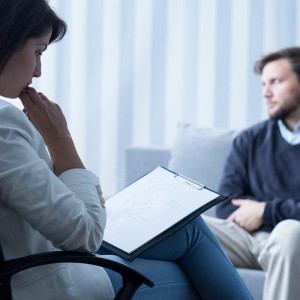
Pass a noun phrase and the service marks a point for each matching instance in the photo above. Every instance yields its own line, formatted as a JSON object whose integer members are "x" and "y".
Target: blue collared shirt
{"x": 292, "y": 137}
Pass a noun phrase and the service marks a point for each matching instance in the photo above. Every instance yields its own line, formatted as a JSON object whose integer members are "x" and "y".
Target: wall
{"x": 129, "y": 71}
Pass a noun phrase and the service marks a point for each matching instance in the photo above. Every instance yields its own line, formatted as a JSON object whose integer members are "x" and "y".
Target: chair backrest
{"x": 132, "y": 279}
{"x": 5, "y": 288}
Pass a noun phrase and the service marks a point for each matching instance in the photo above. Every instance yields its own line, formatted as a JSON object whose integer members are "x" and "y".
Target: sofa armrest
{"x": 141, "y": 160}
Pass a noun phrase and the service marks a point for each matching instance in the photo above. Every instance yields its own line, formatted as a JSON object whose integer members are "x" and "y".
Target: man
{"x": 262, "y": 181}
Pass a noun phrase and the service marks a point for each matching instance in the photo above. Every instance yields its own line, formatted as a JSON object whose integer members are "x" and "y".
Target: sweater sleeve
{"x": 281, "y": 209}
{"x": 263, "y": 167}
{"x": 67, "y": 210}
{"x": 234, "y": 182}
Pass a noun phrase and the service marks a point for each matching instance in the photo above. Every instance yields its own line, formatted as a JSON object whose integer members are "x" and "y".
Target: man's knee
{"x": 285, "y": 238}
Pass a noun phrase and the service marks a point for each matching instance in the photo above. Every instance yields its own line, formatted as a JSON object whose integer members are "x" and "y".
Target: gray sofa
{"x": 199, "y": 154}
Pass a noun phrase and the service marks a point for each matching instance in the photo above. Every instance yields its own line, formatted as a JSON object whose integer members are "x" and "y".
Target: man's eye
{"x": 276, "y": 80}
{"x": 39, "y": 53}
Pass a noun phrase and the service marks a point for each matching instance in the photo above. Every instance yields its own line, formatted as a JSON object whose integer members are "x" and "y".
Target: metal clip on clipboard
{"x": 190, "y": 182}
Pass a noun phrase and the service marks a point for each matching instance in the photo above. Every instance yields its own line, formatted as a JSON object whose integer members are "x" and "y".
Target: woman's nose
{"x": 38, "y": 70}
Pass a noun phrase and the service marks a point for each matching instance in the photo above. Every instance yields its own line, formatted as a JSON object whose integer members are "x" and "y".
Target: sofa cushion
{"x": 200, "y": 153}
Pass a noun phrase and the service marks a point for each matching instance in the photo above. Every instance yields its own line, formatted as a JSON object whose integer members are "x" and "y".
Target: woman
{"x": 49, "y": 203}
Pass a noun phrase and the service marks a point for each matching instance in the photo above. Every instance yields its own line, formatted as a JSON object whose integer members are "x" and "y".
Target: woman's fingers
{"x": 43, "y": 96}
{"x": 36, "y": 98}
{"x": 45, "y": 115}
{"x": 26, "y": 100}
{"x": 31, "y": 97}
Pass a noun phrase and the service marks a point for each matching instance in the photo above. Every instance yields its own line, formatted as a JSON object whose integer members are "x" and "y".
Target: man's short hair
{"x": 292, "y": 54}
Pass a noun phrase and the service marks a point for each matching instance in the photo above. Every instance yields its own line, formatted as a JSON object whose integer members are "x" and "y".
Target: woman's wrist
{"x": 64, "y": 155}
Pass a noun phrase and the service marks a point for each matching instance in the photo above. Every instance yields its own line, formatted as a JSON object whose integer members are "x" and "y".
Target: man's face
{"x": 281, "y": 89}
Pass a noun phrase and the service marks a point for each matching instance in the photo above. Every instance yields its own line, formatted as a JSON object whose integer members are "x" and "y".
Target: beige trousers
{"x": 277, "y": 253}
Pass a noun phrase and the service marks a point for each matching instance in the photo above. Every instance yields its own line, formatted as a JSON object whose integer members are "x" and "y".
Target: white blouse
{"x": 41, "y": 212}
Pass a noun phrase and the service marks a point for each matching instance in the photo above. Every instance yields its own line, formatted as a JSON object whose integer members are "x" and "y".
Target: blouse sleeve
{"x": 67, "y": 210}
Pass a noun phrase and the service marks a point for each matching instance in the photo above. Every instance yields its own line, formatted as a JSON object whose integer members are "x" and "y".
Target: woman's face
{"x": 22, "y": 66}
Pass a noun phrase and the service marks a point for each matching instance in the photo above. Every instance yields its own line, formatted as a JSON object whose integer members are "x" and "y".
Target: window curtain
{"x": 128, "y": 71}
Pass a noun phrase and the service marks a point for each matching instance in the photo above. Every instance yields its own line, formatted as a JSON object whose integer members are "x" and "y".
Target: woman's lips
{"x": 24, "y": 89}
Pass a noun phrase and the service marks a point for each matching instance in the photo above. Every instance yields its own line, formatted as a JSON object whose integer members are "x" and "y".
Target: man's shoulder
{"x": 261, "y": 129}
{"x": 261, "y": 126}
{"x": 257, "y": 133}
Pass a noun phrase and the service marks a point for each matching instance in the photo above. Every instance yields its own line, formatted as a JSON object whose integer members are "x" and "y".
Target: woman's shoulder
{"x": 6, "y": 105}
{"x": 13, "y": 120}
{"x": 8, "y": 111}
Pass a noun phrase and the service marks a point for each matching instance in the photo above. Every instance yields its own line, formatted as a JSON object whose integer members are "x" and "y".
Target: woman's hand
{"x": 46, "y": 116}
{"x": 49, "y": 120}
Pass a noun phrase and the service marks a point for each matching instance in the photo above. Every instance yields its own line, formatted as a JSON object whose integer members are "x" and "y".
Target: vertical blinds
{"x": 129, "y": 71}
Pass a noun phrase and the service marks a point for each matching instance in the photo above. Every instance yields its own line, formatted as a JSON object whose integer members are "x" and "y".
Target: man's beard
{"x": 285, "y": 111}
{"x": 281, "y": 113}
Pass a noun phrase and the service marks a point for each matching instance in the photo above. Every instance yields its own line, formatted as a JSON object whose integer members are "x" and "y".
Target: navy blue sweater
{"x": 262, "y": 166}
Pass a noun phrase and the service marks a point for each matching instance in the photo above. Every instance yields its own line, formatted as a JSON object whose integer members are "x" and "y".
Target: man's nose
{"x": 266, "y": 91}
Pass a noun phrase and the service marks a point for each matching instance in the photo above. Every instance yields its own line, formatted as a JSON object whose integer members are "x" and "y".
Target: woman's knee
{"x": 200, "y": 226}
{"x": 203, "y": 229}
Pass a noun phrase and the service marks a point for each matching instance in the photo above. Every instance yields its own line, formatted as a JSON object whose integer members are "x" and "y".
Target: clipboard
{"x": 152, "y": 208}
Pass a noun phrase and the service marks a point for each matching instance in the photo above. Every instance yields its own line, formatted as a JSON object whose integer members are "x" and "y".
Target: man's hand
{"x": 249, "y": 214}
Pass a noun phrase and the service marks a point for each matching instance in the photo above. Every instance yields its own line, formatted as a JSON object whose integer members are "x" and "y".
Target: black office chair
{"x": 132, "y": 279}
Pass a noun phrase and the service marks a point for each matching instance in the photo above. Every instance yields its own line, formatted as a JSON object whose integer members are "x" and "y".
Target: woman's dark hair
{"x": 21, "y": 20}
{"x": 292, "y": 54}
